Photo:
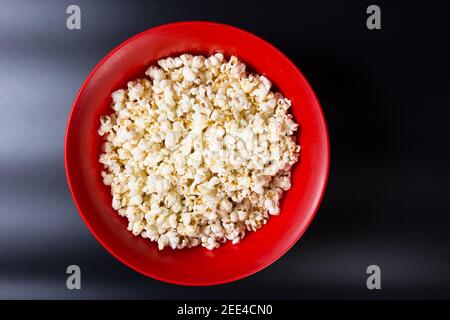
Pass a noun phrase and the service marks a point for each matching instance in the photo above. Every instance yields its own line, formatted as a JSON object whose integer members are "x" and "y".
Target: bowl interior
{"x": 196, "y": 266}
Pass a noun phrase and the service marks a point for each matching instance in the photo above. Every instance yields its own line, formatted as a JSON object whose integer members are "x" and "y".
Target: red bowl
{"x": 196, "y": 266}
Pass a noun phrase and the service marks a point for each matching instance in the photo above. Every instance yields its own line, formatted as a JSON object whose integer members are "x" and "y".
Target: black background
{"x": 385, "y": 97}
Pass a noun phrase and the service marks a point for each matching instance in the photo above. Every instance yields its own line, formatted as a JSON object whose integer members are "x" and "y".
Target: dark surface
{"x": 385, "y": 97}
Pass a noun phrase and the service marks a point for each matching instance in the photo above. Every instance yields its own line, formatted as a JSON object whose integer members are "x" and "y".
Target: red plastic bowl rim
{"x": 282, "y": 56}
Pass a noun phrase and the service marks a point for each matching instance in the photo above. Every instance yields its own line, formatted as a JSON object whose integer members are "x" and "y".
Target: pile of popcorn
{"x": 198, "y": 152}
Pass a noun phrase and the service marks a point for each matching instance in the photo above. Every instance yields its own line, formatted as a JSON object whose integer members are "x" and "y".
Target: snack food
{"x": 199, "y": 152}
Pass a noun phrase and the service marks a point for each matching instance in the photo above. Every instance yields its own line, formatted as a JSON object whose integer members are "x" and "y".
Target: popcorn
{"x": 197, "y": 153}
